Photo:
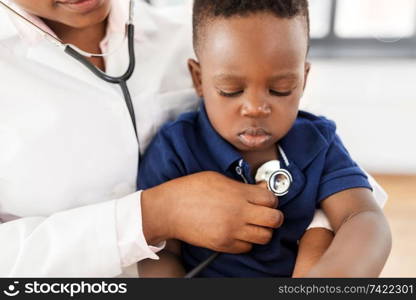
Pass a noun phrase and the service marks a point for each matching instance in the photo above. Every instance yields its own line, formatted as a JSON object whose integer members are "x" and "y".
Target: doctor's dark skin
{"x": 235, "y": 215}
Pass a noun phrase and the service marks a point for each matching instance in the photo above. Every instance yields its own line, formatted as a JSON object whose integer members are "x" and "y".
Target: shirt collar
{"x": 222, "y": 151}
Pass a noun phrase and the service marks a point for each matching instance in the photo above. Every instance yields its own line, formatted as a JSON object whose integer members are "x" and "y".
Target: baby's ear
{"x": 195, "y": 70}
{"x": 307, "y": 69}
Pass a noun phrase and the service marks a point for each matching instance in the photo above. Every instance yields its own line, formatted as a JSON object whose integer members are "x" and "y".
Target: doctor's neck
{"x": 86, "y": 38}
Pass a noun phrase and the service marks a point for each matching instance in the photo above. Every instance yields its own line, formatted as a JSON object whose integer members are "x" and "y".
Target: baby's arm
{"x": 318, "y": 237}
{"x": 362, "y": 240}
{"x": 312, "y": 246}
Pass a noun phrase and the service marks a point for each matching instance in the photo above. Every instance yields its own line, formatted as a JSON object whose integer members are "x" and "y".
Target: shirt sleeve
{"x": 340, "y": 172}
{"x": 321, "y": 221}
{"x": 81, "y": 242}
{"x": 132, "y": 244}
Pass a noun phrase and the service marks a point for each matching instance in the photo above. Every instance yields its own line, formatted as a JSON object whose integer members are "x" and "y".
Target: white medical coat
{"x": 68, "y": 153}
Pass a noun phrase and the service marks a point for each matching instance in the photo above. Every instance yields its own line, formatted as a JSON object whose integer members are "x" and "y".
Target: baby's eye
{"x": 279, "y": 94}
{"x": 230, "y": 94}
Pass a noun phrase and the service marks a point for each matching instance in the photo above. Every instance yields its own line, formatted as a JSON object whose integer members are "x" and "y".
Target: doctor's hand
{"x": 210, "y": 210}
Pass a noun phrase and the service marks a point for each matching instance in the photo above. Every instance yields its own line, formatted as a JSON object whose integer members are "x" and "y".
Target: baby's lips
{"x": 254, "y": 131}
{"x": 253, "y": 141}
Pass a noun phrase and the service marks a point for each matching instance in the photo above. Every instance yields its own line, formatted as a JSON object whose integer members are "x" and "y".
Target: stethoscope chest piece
{"x": 278, "y": 180}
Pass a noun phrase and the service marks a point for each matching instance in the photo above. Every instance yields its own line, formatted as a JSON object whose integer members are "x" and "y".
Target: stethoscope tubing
{"x": 198, "y": 269}
{"x": 120, "y": 80}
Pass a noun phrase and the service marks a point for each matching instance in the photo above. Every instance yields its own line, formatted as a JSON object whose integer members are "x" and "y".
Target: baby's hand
{"x": 312, "y": 246}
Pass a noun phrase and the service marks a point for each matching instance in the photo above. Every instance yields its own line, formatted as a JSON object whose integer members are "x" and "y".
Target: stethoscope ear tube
{"x": 80, "y": 55}
{"x": 70, "y": 50}
{"x": 121, "y": 80}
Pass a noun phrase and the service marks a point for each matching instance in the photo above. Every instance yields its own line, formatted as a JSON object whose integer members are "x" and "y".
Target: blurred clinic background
{"x": 363, "y": 55}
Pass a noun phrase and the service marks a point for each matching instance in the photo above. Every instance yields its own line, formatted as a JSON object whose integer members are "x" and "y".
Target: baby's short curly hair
{"x": 206, "y": 10}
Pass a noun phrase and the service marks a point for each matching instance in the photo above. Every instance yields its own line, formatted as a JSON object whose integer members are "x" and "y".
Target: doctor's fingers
{"x": 258, "y": 195}
{"x": 262, "y": 184}
{"x": 255, "y": 234}
{"x": 239, "y": 246}
{"x": 263, "y": 216}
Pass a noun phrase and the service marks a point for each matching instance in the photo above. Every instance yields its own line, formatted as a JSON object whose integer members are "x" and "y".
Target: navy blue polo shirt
{"x": 318, "y": 161}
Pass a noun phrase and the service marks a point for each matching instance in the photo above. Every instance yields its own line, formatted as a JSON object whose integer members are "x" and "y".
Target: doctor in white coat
{"x": 69, "y": 155}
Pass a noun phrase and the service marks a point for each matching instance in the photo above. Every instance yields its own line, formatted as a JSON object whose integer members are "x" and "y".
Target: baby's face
{"x": 252, "y": 73}
{"x": 72, "y": 13}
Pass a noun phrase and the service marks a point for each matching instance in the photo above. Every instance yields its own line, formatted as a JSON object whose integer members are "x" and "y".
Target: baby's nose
{"x": 255, "y": 109}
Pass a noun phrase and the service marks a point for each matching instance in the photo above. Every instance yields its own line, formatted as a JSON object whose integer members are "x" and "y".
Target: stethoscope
{"x": 278, "y": 180}
{"x": 81, "y": 56}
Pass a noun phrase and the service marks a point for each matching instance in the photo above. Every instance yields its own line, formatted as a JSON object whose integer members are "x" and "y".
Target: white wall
{"x": 373, "y": 103}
